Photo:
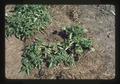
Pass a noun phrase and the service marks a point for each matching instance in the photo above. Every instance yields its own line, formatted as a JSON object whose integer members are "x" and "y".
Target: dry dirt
{"x": 99, "y": 20}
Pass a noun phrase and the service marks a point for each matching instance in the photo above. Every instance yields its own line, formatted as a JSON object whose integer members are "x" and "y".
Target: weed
{"x": 26, "y": 21}
{"x": 86, "y": 43}
{"x": 52, "y": 54}
{"x": 35, "y": 54}
{"x": 32, "y": 57}
{"x": 76, "y": 41}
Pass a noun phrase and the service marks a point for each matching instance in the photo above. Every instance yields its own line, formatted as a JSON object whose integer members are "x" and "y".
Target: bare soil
{"x": 100, "y": 64}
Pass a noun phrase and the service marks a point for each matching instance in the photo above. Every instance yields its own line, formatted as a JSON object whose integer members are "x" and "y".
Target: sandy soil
{"x": 99, "y": 20}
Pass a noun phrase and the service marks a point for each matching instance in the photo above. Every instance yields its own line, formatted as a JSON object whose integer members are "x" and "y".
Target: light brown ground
{"x": 100, "y": 22}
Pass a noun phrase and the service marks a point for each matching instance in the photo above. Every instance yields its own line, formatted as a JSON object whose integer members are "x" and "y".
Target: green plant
{"x": 52, "y": 54}
{"x": 76, "y": 41}
{"x": 32, "y": 57}
{"x": 26, "y": 21}
{"x": 39, "y": 53}
{"x": 86, "y": 43}
{"x": 61, "y": 57}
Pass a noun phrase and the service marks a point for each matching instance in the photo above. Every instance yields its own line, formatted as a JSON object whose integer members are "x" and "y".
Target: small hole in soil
{"x": 71, "y": 15}
{"x": 54, "y": 32}
{"x": 41, "y": 73}
{"x": 63, "y": 34}
{"x": 60, "y": 76}
{"x": 76, "y": 57}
